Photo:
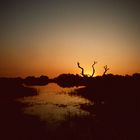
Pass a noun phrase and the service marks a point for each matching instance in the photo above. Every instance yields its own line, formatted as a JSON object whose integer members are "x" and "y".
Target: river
{"x": 53, "y": 103}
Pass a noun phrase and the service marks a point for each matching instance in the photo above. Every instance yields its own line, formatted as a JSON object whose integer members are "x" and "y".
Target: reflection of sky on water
{"x": 52, "y": 104}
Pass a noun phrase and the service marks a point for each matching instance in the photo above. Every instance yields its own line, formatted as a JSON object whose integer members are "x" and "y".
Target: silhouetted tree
{"x": 85, "y": 75}
{"x": 95, "y": 62}
{"x": 106, "y": 69}
{"x": 82, "y": 73}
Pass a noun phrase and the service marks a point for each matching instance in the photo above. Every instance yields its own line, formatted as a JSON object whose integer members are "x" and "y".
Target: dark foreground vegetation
{"x": 114, "y": 114}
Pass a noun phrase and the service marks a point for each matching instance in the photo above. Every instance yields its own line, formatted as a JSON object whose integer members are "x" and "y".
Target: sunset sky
{"x": 48, "y": 37}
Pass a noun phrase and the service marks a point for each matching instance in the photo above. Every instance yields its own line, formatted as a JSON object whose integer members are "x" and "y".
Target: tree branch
{"x": 82, "y": 73}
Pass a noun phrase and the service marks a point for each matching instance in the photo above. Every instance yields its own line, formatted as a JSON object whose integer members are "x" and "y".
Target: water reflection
{"x": 52, "y": 103}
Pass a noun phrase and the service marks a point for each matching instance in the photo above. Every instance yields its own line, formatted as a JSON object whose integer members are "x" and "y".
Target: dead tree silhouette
{"x": 95, "y": 62}
{"x": 85, "y": 75}
{"x": 82, "y": 73}
{"x": 106, "y": 69}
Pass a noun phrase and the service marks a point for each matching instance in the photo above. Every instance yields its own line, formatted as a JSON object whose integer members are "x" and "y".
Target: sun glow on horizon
{"x": 49, "y": 39}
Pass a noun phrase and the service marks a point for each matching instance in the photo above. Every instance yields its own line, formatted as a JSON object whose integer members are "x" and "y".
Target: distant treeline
{"x": 69, "y": 80}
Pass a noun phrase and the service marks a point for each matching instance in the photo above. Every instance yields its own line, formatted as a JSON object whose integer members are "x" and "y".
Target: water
{"x": 53, "y": 103}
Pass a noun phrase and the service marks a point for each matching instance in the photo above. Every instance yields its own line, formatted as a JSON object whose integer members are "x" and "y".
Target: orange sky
{"x": 51, "y": 41}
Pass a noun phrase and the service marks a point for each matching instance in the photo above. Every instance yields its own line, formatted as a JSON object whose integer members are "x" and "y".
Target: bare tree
{"x": 95, "y": 62}
{"x": 85, "y": 75}
{"x": 106, "y": 69}
{"x": 82, "y": 73}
